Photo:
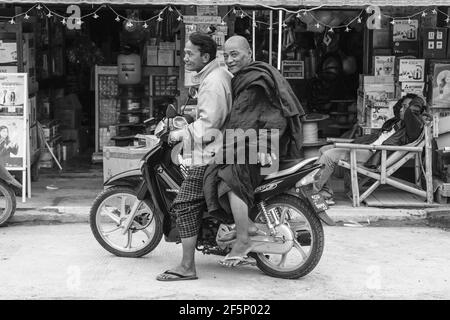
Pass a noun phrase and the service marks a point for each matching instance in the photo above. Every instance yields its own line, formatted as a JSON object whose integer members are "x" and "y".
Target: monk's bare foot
{"x": 238, "y": 253}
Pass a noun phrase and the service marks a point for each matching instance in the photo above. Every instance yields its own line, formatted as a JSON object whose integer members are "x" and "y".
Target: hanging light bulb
{"x": 63, "y": 21}
{"x": 434, "y": 11}
{"x": 26, "y": 17}
{"x": 424, "y": 14}
{"x": 179, "y": 18}
{"x": 159, "y": 18}
{"x": 117, "y": 19}
{"x": 284, "y": 25}
{"x": 298, "y": 15}
{"x": 234, "y": 11}
{"x": 129, "y": 24}
{"x": 95, "y": 16}
{"x": 223, "y": 22}
{"x": 39, "y": 7}
{"x": 318, "y": 25}
{"x": 347, "y": 29}
{"x": 447, "y": 20}
{"x": 49, "y": 15}
{"x": 331, "y": 30}
{"x": 145, "y": 25}
{"x": 12, "y": 21}
{"x": 304, "y": 12}
{"x": 79, "y": 22}
{"x": 392, "y": 22}
{"x": 170, "y": 9}
{"x": 242, "y": 15}
{"x": 359, "y": 20}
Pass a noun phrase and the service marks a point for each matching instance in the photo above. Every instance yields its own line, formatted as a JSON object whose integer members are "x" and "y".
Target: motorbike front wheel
{"x": 107, "y": 217}
{"x": 7, "y": 203}
{"x": 308, "y": 239}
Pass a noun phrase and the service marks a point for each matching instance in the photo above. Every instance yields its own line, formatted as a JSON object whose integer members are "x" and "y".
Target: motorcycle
{"x": 129, "y": 217}
{"x": 7, "y": 195}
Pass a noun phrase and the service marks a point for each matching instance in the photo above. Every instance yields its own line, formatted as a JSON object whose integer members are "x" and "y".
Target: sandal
{"x": 174, "y": 276}
{"x": 240, "y": 261}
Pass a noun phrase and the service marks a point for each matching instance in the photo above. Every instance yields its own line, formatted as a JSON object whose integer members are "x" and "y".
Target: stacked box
{"x": 374, "y": 98}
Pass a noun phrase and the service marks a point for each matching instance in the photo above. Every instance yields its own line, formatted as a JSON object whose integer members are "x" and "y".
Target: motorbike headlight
{"x": 160, "y": 127}
{"x": 179, "y": 122}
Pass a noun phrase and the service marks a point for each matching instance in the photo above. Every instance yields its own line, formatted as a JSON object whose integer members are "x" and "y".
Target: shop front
{"x": 96, "y": 71}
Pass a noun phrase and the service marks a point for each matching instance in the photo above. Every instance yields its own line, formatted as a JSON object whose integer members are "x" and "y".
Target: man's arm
{"x": 212, "y": 108}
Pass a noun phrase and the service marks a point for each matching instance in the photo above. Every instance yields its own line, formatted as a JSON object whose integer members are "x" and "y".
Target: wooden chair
{"x": 389, "y": 165}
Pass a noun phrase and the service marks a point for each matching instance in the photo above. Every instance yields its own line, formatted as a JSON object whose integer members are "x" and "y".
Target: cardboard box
{"x": 151, "y": 56}
{"x": 411, "y": 70}
{"x": 443, "y": 140}
{"x": 435, "y": 43}
{"x": 443, "y": 125}
{"x": 376, "y": 116}
{"x": 412, "y": 87}
{"x": 166, "y": 57}
{"x": 120, "y": 159}
{"x": 383, "y": 65}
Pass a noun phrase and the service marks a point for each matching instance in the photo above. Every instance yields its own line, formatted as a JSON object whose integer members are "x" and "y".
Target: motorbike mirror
{"x": 193, "y": 92}
{"x": 171, "y": 111}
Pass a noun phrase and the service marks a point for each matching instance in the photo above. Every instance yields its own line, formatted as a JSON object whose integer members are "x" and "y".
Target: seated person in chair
{"x": 405, "y": 127}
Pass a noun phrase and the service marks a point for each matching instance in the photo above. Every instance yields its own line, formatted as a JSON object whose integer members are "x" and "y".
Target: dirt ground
{"x": 66, "y": 262}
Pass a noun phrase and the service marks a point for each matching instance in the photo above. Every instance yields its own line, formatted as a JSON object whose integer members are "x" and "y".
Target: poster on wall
{"x": 13, "y": 121}
{"x": 291, "y": 69}
{"x": 440, "y": 96}
{"x": 404, "y": 30}
{"x": 12, "y": 142}
{"x": 12, "y": 94}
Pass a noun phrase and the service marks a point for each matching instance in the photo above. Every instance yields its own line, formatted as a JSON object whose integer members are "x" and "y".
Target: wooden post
{"x": 417, "y": 170}
{"x": 383, "y": 167}
{"x": 354, "y": 178}
{"x": 428, "y": 170}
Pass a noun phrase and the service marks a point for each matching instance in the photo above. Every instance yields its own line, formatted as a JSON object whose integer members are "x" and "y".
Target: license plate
{"x": 318, "y": 202}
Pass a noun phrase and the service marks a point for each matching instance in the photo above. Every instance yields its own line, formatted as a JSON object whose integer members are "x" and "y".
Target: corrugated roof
{"x": 275, "y": 3}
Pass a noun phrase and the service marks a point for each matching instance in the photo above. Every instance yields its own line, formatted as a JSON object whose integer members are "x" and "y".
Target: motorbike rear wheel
{"x": 108, "y": 214}
{"x": 308, "y": 239}
{"x": 7, "y": 203}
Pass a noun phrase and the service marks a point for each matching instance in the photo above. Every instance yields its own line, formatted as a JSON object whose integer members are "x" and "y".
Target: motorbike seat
{"x": 290, "y": 166}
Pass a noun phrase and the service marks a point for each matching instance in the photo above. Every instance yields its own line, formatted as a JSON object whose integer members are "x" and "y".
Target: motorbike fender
{"x": 127, "y": 178}
{"x": 321, "y": 214}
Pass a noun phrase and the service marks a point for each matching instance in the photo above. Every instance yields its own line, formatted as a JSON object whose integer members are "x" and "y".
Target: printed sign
{"x": 293, "y": 69}
{"x": 411, "y": 70}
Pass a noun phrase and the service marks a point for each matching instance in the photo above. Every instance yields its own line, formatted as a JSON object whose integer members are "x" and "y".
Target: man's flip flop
{"x": 241, "y": 261}
{"x": 173, "y": 276}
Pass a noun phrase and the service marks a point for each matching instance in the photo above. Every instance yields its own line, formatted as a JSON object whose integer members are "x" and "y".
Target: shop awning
{"x": 273, "y": 3}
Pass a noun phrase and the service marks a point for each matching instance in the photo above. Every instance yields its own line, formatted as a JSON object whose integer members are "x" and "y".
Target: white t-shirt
{"x": 383, "y": 137}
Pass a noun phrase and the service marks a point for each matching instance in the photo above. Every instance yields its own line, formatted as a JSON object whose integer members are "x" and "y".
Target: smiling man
{"x": 262, "y": 100}
{"x": 213, "y": 106}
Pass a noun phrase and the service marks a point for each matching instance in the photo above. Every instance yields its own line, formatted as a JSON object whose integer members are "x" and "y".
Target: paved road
{"x": 65, "y": 262}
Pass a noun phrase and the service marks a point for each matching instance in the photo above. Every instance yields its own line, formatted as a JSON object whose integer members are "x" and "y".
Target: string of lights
{"x": 236, "y": 11}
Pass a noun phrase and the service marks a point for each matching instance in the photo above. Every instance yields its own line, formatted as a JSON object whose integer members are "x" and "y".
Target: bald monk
{"x": 262, "y": 99}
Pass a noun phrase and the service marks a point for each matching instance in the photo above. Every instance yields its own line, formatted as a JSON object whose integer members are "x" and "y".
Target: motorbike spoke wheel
{"x": 7, "y": 203}
{"x": 307, "y": 246}
{"x": 109, "y": 214}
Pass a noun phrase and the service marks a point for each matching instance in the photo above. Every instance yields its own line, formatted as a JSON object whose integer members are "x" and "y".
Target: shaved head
{"x": 238, "y": 41}
{"x": 237, "y": 53}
